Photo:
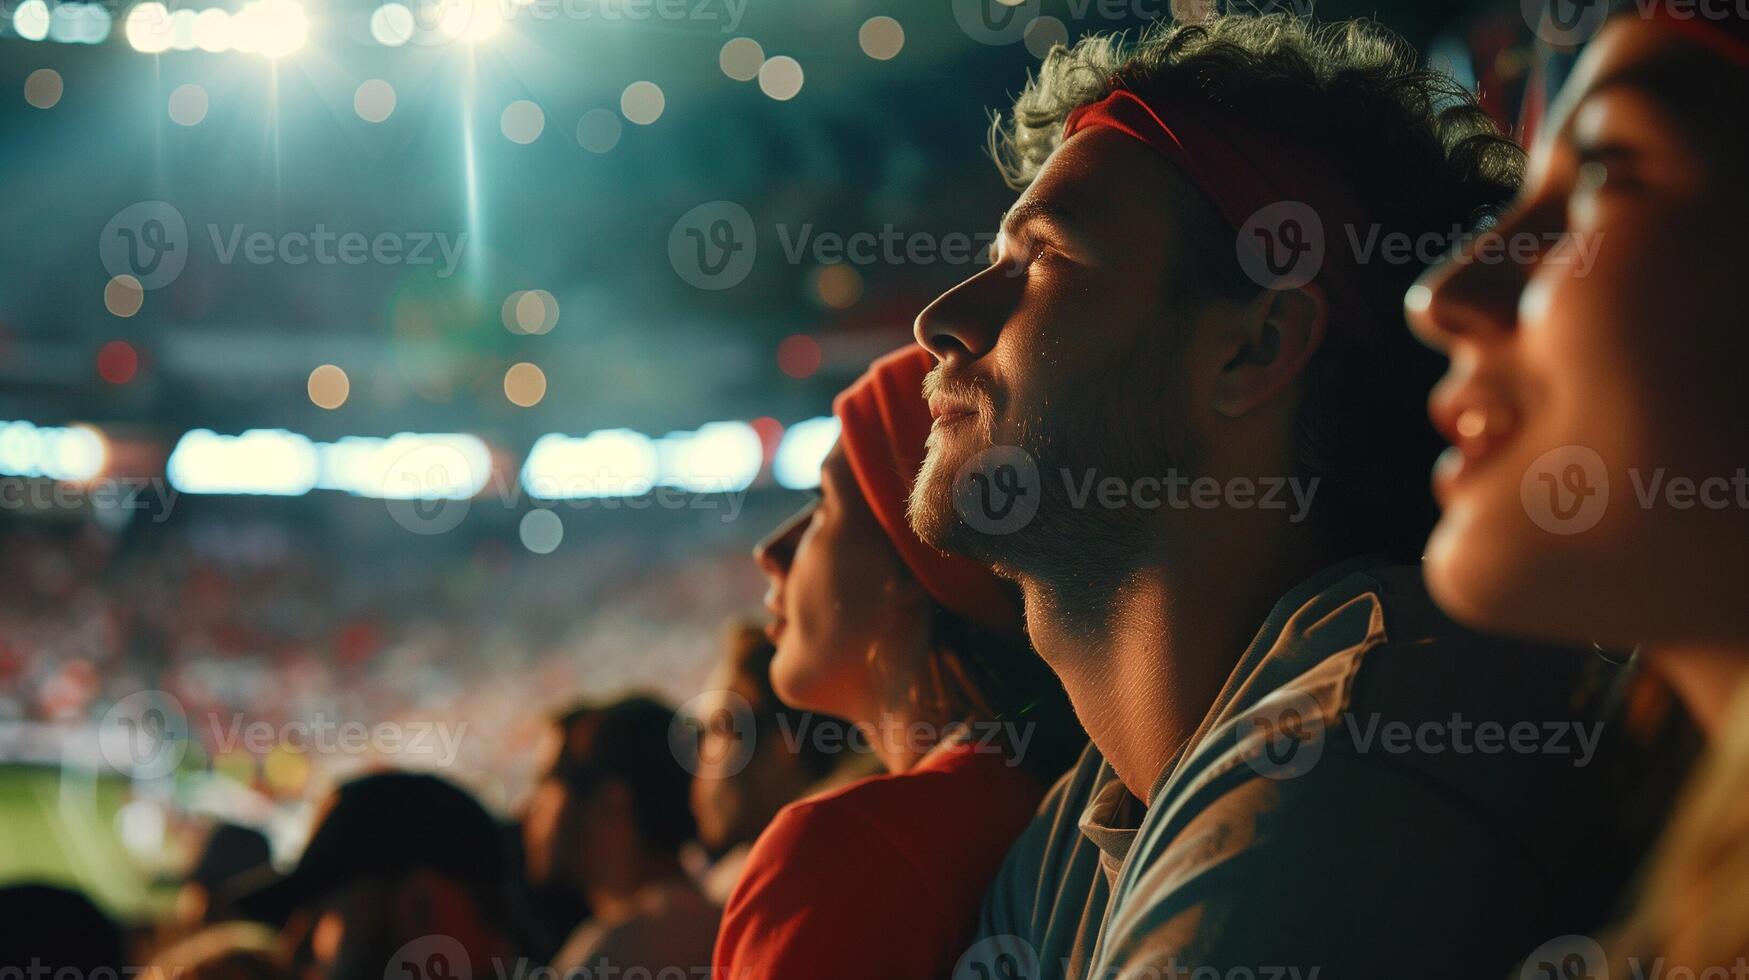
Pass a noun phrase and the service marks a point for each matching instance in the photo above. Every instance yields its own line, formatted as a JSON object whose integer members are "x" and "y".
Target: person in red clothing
{"x": 926, "y": 656}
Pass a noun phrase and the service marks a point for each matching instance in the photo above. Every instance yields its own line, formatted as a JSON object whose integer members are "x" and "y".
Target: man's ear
{"x": 1278, "y": 332}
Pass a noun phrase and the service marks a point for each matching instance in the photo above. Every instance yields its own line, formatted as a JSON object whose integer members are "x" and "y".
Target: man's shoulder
{"x": 1370, "y": 668}
{"x": 1374, "y": 645}
{"x": 1055, "y": 827}
{"x": 1047, "y": 900}
{"x": 1377, "y": 739}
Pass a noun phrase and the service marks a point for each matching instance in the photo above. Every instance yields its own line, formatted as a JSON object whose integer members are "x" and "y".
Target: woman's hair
{"x": 973, "y": 675}
{"x": 1694, "y": 910}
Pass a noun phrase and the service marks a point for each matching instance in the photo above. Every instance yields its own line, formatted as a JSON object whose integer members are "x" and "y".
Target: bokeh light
{"x": 535, "y": 311}
{"x": 1045, "y": 33}
{"x": 329, "y": 386}
{"x": 374, "y": 101}
{"x": 31, "y": 20}
{"x": 522, "y": 121}
{"x": 804, "y": 447}
{"x": 42, "y": 88}
{"x": 740, "y": 59}
{"x": 541, "y": 531}
{"x": 798, "y": 356}
{"x": 838, "y": 285}
{"x": 525, "y": 384}
{"x": 117, "y": 362}
{"x": 642, "y": 103}
{"x": 881, "y": 38}
{"x": 530, "y": 311}
{"x": 150, "y": 28}
{"x": 212, "y": 30}
{"x": 469, "y": 20}
{"x": 391, "y": 25}
{"x": 780, "y": 77}
{"x": 598, "y": 131}
{"x": 188, "y": 104}
{"x": 123, "y": 295}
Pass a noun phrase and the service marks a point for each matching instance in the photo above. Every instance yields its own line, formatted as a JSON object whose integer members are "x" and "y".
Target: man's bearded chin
{"x": 1040, "y": 548}
{"x": 931, "y": 508}
{"x": 1066, "y": 541}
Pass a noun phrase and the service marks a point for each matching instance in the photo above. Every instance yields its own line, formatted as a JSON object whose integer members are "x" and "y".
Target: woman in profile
{"x": 925, "y": 655}
{"x": 1599, "y": 414}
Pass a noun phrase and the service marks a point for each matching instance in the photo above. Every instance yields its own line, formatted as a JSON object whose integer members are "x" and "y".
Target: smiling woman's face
{"x": 1597, "y": 398}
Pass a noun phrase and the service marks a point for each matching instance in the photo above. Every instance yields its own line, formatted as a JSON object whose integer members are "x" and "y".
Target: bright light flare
{"x": 150, "y": 28}
{"x": 270, "y": 462}
{"x": 74, "y": 453}
{"x": 469, "y": 20}
{"x": 804, "y": 448}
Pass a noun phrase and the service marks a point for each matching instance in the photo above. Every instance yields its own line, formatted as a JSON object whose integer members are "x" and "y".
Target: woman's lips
{"x": 1478, "y": 423}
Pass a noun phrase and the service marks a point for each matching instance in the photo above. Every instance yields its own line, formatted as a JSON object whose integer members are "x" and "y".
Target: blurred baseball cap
{"x": 391, "y": 822}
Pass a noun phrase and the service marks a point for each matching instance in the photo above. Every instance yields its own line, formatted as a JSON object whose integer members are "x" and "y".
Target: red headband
{"x": 1243, "y": 171}
{"x": 886, "y": 422}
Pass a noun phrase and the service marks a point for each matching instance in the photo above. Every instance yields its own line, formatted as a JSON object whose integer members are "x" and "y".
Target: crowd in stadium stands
{"x": 245, "y": 621}
{"x": 1019, "y": 710}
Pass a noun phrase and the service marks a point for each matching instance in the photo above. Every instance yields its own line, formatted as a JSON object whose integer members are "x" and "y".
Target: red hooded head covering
{"x": 886, "y": 422}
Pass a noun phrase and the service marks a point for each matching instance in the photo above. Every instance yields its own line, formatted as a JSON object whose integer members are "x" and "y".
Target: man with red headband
{"x": 1182, "y": 411}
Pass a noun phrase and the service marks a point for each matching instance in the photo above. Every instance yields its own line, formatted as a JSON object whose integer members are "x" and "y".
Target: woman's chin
{"x": 797, "y": 677}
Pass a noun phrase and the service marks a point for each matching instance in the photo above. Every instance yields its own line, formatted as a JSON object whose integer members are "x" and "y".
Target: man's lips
{"x": 946, "y": 408}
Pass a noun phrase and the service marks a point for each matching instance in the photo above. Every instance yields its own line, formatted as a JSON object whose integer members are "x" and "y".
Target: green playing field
{"x": 62, "y": 831}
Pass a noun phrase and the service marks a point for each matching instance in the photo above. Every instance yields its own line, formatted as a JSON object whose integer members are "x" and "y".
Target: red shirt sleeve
{"x": 881, "y": 879}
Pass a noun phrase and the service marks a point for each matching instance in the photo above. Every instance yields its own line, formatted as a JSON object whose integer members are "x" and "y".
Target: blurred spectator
{"x": 47, "y": 929}
{"x": 230, "y": 851}
{"x": 752, "y": 761}
{"x": 608, "y": 822}
{"x": 229, "y": 951}
{"x": 403, "y": 869}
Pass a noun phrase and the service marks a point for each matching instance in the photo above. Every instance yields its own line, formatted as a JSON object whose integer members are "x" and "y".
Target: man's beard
{"x": 1072, "y": 541}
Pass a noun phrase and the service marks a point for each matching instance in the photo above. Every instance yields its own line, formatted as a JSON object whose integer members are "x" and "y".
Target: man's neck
{"x": 1144, "y": 660}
